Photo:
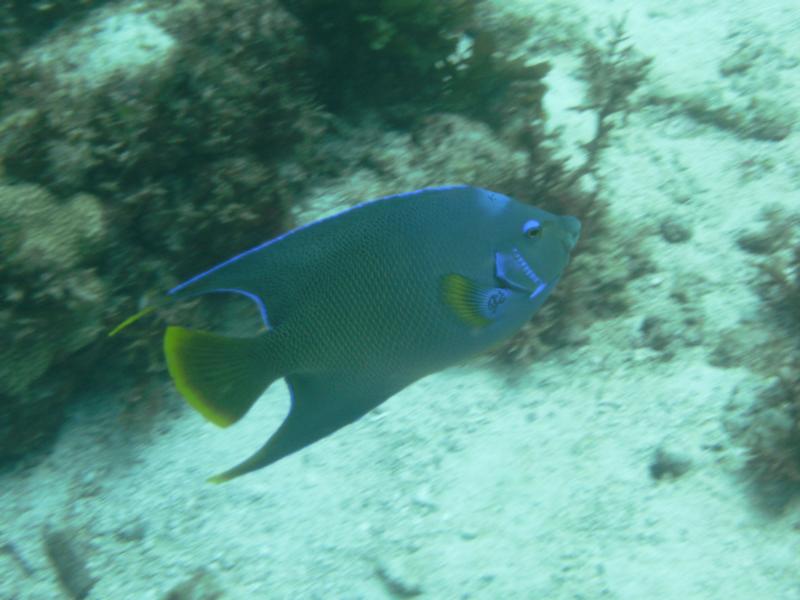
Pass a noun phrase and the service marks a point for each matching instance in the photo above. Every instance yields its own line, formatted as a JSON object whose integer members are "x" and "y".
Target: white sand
{"x": 472, "y": 483}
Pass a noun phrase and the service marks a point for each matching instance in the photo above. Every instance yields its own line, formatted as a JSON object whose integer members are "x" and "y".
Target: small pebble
{"x": 200, "y": 586}
{"x": 397, "y": 579}
{"x": 654, "y": 333}
{"x": 675, "y": 231}
{"x": 133, "y": 531}
{"x": 668, "y": 463}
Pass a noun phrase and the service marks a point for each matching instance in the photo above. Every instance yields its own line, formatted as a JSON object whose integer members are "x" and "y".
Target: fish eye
{"x": 532, "y": 229}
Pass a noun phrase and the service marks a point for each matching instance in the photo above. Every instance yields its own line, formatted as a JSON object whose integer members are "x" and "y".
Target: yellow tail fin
{"x": 221, "y": 377}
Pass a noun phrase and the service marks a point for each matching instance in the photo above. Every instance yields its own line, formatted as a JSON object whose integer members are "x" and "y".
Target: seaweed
{"x": 158, "y": 160}
{"x": 600, "y": 268}
{"x": 23, "y": 21}
{"x": 781, "y": 286}
{"x": 375, "y": 53}
{"x": 766, "y": 421}
{"x": 776, "y": 456}
{"x": 407, "y": 59}
{"x": 222, "y": 135}
{"x": 775, "y": 447}
{"x": 614, "y": 70}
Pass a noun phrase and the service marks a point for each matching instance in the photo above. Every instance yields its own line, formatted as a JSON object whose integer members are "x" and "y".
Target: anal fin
{"x": 321, "y": 405}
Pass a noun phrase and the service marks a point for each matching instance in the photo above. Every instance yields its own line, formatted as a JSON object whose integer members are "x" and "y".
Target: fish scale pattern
{"x": 358, "y": 307}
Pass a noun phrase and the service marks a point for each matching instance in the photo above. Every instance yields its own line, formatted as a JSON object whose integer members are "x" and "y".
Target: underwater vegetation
{"x": 227, "y": 132}
{"x": 777, "y": 456}
{"x": 22, "y": 21}
{"x": 391, "y": 47}
{"x": 52, "y": 303}
{"x": 141, "y": 167}
{"x": 614, "y": 70}
{"x": 373, "y": 53}
{"x": 369, "y": 55}
{"x": 601, "y": 270}
{"x": 766, "y": 419}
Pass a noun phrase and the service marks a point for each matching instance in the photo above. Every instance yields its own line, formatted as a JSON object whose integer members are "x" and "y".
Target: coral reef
{"x": 22, "y": 21}
{"x": 146, "y": 165}
{"x": 377, "y": 52}
{"x": 369, "y": 55}
{"x": 53, "y": 301}
{"x": 251, "y": 107}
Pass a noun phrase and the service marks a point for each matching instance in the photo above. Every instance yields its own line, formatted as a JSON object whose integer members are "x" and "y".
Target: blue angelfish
{"x": 359, "y": 305}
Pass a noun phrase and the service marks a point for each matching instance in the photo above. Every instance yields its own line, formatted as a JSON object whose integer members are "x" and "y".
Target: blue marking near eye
{"x": 532, "y": 225}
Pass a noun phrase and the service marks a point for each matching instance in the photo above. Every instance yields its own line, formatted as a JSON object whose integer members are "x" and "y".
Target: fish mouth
{"x": 538, "y": 283}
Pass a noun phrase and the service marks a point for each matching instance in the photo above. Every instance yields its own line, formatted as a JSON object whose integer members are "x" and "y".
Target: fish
{"x": 357, "y": 306}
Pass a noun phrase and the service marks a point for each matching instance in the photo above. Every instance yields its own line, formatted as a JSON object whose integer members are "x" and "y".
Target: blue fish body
{"x": 359, "y": 305}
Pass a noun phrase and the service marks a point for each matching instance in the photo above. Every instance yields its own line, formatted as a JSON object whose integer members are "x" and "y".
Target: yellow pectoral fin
{"x": 130, "y": 320}
{"x": 463, "y": 297}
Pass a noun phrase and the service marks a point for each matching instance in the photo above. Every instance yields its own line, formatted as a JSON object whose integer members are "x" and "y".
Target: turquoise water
{"x": 639, "y": 438}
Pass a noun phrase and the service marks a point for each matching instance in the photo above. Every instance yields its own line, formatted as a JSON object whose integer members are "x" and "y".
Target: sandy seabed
{"x": 474, "y": 483}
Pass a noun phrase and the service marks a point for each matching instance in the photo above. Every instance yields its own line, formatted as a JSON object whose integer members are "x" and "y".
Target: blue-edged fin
{"x": 132, "y": 319}
{"x": 475, "y": 305}
{"x": 219, "y": 376}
